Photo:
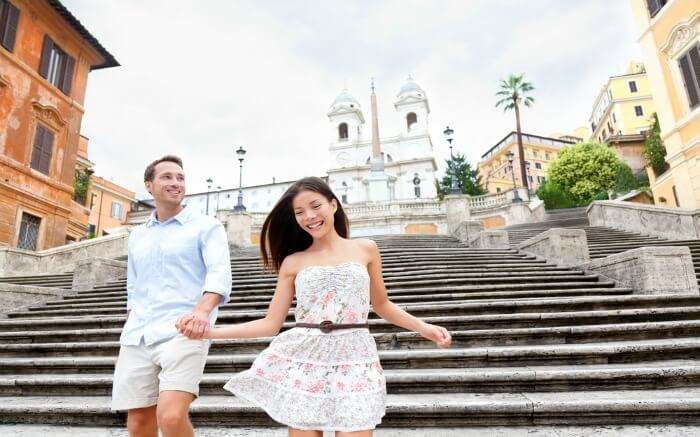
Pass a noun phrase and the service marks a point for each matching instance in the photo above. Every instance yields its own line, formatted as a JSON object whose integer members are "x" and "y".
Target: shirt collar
{"x": 182, "y": 217}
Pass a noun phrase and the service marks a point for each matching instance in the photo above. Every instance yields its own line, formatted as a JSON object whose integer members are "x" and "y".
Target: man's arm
{"x": 217, "y": 282}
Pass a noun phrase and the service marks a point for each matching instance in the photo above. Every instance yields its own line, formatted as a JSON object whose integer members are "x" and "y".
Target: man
{"x": 179, "y": 267}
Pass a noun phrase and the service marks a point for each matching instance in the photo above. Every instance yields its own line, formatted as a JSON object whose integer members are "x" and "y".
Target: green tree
{"x": 654, "y": 150}
{"x": 511, "y": 95}
{"x": 585, "y": 170}
{"x": 468, "y": 179}
{"x": 624, "y": 180}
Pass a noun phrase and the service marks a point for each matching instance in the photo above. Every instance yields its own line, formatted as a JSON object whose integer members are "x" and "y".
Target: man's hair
{"x": 151, "y": 169}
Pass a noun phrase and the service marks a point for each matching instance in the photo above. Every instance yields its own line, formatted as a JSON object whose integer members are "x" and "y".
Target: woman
{"x": 324, "y": 374}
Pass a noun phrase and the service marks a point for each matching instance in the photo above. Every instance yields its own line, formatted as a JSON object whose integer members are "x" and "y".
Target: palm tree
{"x": 511, "y": 95}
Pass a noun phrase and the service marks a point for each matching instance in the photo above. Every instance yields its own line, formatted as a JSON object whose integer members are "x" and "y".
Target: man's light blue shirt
{"x": 171, "y": 265}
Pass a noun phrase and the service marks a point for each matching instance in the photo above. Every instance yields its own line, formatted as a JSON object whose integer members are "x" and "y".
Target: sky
{"x": 201, "y": 78}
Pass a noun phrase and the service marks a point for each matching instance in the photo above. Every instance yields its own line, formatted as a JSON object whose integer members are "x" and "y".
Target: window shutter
{"x": 653, "y": 7}
{"x": 690, "y": 83}
{"x": 10, "y": 20}
{"x": 45, "y": 57}
{"x": 68, "y": 75}
{"x": 38, "y": 144}
{"x": 46, "y": 152}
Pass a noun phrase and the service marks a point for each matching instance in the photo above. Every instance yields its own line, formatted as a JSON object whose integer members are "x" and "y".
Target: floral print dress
{"x": 310, "y": 380}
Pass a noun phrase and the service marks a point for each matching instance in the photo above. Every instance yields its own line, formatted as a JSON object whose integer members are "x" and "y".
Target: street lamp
{"x": 209, "y": 182}
{"x": 239, "y": 206}
{"x": 527, "y": 171}
{"x": 516, "y": 196}
{"x": 218, "y": 195}
{"x": 454, "y": 187}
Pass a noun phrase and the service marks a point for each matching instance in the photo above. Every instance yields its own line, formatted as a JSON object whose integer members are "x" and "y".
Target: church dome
{"x": 345, "y": 99}
{"x": 410, "y": 87}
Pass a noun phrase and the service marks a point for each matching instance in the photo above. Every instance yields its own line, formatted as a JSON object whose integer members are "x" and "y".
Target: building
{"x": 45, "y": 58}
{"x": 669, "y": 35}
{"x": 623, "y": 106}
{"x": 408, "y": 156}
{"x": 494, "y": 168}
{"x": 109, "y": 205}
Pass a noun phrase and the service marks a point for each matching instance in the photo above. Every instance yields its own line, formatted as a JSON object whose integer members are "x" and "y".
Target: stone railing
{"x": 15, "y": 262}
{"x": 672, "y": 223}
{"x": 488, "y": 200}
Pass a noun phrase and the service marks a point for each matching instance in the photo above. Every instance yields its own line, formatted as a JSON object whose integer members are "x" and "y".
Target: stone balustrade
{"x": 657, "y": 221}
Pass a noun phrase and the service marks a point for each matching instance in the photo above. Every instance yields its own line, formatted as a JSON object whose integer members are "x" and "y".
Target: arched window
{"x": 411, "y": 119}
{"x": 343, "y": 131}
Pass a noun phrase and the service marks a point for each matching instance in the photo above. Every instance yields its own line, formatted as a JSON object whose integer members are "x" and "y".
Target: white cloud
{"x": 201, "y": 78}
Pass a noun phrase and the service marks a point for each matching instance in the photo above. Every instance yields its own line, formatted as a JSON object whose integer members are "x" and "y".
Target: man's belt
{"x": 327, "y": 326}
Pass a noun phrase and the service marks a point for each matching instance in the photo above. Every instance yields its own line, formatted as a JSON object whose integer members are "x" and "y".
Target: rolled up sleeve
{"x": 217, "y": 261}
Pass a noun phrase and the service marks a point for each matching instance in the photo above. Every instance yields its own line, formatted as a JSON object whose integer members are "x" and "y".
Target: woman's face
{"x": 314, "y": 213}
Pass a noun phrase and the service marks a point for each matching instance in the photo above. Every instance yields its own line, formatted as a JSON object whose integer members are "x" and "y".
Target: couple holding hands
{"x": 323, "y": 374}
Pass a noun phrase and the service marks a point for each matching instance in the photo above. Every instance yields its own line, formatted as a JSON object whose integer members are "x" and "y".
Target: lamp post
{"x": 516, "y": 196}
{"x": 529, "y": 184}
{"x": 454, "y": 187}
{"x": 218, "y": 195}
{"x": 239, "y": 206}
{"x": 209, "y": 182}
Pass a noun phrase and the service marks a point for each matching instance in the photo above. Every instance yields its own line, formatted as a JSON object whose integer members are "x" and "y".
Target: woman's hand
{"x": 438, "y": 334}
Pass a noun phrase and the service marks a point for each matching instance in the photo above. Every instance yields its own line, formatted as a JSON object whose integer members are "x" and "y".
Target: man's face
{"x": 168, "y": 185}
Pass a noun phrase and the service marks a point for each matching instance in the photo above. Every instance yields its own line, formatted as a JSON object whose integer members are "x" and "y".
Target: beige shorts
{"x": 142, "y": 372}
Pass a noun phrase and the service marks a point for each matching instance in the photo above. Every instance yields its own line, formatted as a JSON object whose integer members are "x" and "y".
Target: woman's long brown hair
{"x": 282, "y": 236}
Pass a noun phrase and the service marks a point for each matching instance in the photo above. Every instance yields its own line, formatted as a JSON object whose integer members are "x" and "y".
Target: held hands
{"x": 194, "y": 325}
{"x": 438, "y": 334}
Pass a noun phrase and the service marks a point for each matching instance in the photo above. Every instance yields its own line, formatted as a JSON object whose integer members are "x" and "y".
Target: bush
{"x": 654, "y": 150}
{"x": 554, "y": 196}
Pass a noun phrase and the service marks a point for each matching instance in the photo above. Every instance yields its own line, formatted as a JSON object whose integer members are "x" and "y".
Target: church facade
{"x": 408, "y": 155}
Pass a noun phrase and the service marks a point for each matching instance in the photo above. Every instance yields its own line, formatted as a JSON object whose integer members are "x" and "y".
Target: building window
{"x": 638, "y": 110}
{"x": 529, "y": 178}
{"x": 689, "y": 65}
{"x": 498, "y": 190}
{"x": 655, "y": 6}
{"x": 9, "y": 19}
{"x": 42, "y": 150}
{"x": 540, "y": 179}
{"x": 93, "y": 199}
{"x": 633, "y": 86}
{"x": 613, "y": 117}
{"x": 28, "y": 232}
{"x": 546, "y": 156}
{"x": 117, "y": 210}
{"x": 343, "y": 131}
{"x": 56, "y": 66}
{"x": 538, "y": 166}
{"x": 344, "y": 198}
{"x": 411, "y": 119}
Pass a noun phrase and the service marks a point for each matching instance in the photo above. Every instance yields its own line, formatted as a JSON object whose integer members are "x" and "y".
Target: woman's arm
{"x": 389, "y": 311}
{"x": 273, "y": 320}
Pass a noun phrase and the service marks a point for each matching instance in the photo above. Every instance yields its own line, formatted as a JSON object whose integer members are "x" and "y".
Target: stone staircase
{"x": 60, "y": 280}
{"x": 534, "y": 343}
{"x": 602, "y": 241}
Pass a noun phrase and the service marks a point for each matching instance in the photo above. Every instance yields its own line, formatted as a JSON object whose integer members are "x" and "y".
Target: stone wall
{"x": 14, "y": 297}
{"x": 61, "y": 259}
{"x": 672, "y": 223}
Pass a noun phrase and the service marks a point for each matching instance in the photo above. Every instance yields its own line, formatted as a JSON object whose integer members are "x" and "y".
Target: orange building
{"x": 109, "y": 205}
{"x": 45, "y": 58}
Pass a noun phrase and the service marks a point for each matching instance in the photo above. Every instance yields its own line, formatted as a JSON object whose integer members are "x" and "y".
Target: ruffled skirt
{"x": 310, "y": 380}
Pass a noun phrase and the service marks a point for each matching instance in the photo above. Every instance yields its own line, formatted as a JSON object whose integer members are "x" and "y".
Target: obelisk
{"x": 378, "y": 182}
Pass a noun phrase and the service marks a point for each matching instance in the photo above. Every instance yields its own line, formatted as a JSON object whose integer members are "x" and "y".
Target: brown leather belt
{"x": 327, "y": 326}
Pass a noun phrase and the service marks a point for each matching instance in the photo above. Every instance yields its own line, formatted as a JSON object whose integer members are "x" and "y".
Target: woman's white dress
{"x": 309, "y": 380}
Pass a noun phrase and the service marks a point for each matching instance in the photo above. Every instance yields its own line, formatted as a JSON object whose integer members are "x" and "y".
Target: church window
{"x": 411, "y": 119}
{"x": 343, "y": 131}
{"x": 344, "y": 198}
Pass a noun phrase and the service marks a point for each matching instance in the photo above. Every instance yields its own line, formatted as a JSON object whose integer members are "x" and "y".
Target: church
{"x": 363, "y": 167}
{"x": 406, "y": 158}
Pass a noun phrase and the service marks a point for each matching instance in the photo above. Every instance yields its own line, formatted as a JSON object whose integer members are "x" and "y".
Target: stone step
{"x": 636, "y": 376}
{"x": 452, "y": 322}
{"x": 672, "y": 406}
{"x": 408, "y": 340}
{"x": 473, "y": 307}
{"x": 481, "y": 292}
{"x": 494, "y": 356}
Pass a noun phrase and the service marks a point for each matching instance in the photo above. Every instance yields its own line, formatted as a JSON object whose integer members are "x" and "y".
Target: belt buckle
{"x": 326, "y": 326}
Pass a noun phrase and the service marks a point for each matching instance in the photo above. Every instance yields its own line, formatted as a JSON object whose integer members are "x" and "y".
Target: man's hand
{"x": 194, "y": 325}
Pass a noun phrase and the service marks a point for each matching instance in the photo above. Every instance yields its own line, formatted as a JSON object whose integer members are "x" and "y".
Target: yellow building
{"x": 623, "y": 106}
{"x": 669, "y": 34}
{"x": 109, "y": 205}
{"x": 495, "y": 171}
